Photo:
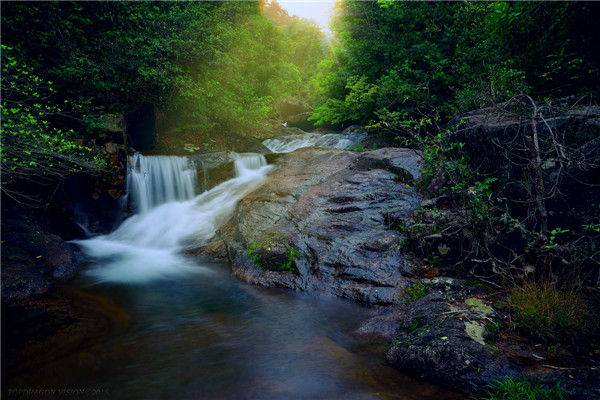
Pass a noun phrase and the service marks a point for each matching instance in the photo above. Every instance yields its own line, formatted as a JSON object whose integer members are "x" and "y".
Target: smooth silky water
{"x": 287, "y": 144}
{"x": 195, "y": 333}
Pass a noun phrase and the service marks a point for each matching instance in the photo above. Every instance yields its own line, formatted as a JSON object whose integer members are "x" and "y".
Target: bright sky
{"x": 317, "y": 10}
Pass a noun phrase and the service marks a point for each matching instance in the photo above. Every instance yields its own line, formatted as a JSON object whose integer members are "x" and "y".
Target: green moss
{"x": 255, "y": 252}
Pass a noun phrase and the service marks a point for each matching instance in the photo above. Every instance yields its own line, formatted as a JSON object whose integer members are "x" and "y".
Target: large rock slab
{"x": 328, "y": 221}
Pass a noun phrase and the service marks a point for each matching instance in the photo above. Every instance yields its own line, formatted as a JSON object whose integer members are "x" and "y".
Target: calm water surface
{"x": 207, "y": 336}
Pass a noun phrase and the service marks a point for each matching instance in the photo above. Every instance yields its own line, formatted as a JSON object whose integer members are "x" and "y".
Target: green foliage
{"x": 33, "y": 148}
{"x": 252, "y": 253}
{"x": 547, "y": 312}
{"x": 217, "y": 66}
{"x": 510, "y": 388}
{"x": 427, "y": 59}
{"x": 414, "y": 292}
{"x": 357, "y": 147}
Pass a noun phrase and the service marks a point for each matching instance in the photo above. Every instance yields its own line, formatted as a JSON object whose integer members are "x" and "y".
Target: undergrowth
{"x": 414, "y": 292}
{"x": 548, "y": 313}
{"x": 512, "y": 389}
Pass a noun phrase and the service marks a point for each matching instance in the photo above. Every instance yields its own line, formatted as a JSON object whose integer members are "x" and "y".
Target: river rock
{"x": 383, "y": 327}
{"x": 32, "y": 259}
{"x": 444, "y": 338}
{"x": 326, "y": 221}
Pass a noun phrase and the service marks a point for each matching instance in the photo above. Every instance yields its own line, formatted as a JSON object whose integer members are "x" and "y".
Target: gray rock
{"x": 443, "y": 338}
{"x": 383, "y": 327}
{"x": 333, "y": 209}
{"x": 291, "y": 106}
{"x": 32, "y": 259}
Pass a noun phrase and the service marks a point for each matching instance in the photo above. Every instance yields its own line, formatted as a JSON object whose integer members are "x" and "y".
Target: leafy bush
{"x": 512, "y": 389}
{"x": 547, "y": 312}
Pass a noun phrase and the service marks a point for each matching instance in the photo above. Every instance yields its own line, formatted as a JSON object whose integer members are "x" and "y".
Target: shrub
{"x": 512, "y": 389}
{"x": 547, "y": 312}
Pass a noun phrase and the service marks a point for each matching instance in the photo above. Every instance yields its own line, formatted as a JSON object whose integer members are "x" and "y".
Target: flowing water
{"x": 149, "y": 245}
{"x": 287, "y": 144}
{"x": 194, "y": 332}
{"x": 156, "y": 180}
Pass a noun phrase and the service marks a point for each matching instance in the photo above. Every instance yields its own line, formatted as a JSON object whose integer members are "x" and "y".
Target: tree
{"x": 438, "y": 59}
{"x": 34, "y": 151}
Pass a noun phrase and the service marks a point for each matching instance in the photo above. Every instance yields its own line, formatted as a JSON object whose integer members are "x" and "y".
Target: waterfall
{"x": 287, "y": 144}
{"x": 149, "y": 245}
{"x": 247, "y": 162}
{"x": 156, "y": 180}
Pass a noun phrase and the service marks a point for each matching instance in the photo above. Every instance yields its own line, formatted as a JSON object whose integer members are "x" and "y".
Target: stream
{"x": 196, "y": 333}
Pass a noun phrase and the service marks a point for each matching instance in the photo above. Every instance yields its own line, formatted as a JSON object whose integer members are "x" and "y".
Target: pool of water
{"x": 207, "y": 336}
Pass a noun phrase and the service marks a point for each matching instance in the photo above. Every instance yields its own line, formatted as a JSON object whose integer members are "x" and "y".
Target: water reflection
{"x": 207, "y": 336}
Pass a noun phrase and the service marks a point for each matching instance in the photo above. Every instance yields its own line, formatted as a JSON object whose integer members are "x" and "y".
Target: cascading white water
{"x": 155, "y": 180}
{"x": 247, "y": 161}
{"x": 148, "y": 245}
{"x": 287, "y": 144}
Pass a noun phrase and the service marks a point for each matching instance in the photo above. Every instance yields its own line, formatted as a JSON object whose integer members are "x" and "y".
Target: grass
{"x": 512, "y": 389}
{"x": 548, "y": 313}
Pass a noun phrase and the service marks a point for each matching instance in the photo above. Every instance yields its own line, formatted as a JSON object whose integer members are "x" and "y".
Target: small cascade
{"x": 156, "y": 180}
{"x": 247, "y": 162}
{"x": 287, "y": 144}
{"x": 148, "y": 245}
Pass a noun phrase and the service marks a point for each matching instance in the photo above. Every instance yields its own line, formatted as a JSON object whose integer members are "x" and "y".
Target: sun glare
{"x": 317, "y": 10}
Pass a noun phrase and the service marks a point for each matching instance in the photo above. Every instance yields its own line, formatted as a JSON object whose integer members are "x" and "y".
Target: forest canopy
{"x": 395, "y": 61}
{"x": 214, "y": 68}
{"x": 222, "y": 64}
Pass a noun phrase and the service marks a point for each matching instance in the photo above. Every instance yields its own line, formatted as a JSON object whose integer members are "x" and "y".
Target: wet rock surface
{"x": 443, "y": 338}
{"x": 329, "y": 222}
{"x": 326, "y": 222}
{"x": 33, "y": 258}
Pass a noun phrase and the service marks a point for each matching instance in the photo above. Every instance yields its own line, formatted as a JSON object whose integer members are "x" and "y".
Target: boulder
{"x": 32, "y": 259}
{"x": 300, "y": 119}
{"x": 444, "y": 338}
{"x": 322, "y": 224}
{"x": 453, "y": 336}
{"x": 295, "y": 113}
